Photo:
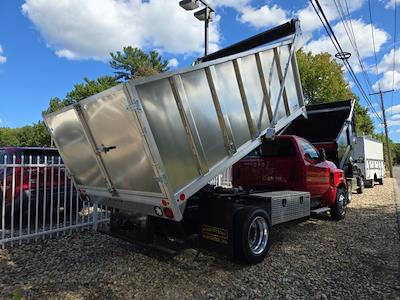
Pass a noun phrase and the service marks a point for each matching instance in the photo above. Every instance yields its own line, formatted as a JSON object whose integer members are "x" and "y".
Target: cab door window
{"x": 309, "y": 150}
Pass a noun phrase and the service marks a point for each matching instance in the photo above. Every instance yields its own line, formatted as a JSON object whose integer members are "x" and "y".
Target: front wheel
{"x": 338, "y": 210}
{"x": 380, "y": 181}
{"x": 252, "y": 231}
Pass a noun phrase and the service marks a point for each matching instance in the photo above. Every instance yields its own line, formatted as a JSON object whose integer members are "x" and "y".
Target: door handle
{"x": 105, "y": 149}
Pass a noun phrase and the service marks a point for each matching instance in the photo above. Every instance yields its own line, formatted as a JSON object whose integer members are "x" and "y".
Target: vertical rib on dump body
{"x": 152, "y": 143}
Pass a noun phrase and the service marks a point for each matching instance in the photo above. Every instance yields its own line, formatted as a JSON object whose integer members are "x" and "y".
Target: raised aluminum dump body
{"x": 152, "y": 143}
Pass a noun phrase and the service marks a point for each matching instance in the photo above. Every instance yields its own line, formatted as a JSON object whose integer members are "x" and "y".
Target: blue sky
{"x": 47, "y": 46}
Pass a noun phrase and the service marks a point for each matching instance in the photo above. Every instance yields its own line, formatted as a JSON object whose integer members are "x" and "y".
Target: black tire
{"x": 247, "y": 222}
{"x": 338, "y": 210}
{"x": 380, "y": 181}
{"x": 369, "y": 183}
{"x": 360, "y": 183}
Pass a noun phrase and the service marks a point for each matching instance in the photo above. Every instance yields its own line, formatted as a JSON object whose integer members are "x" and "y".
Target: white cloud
{"x": 395, "y": 109}
{"x": 386, "y": 64}
{"x": 393, "y": 122}
{"x": 390, "y": 3}
{"x": 80, "y": 29}
{"x": 264, "y": 16}
{"x": 386, "y": 82}
{"x": 3, "y": 59}
{"x": 396, "y": 117}
{"x": 310, "y": 21}
{"x": 362, "y": 33}
{"x": 237, "y": 4}
{"x": 173, "y": 63}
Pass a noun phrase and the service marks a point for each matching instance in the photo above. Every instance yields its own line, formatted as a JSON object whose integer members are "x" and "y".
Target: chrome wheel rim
{"x": 341, "y": 201}
{"x": 350, "y": 192}
{"x": 257, "y": 235}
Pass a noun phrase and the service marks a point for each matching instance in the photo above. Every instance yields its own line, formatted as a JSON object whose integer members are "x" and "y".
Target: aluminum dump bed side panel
{"x": 156, "y": 141}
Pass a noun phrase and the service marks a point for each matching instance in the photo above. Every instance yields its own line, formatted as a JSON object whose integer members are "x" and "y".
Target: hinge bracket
{"x": 135, "y": 105}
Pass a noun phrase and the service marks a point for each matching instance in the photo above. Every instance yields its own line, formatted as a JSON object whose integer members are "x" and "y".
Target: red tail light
{"x": 168, "y": 213}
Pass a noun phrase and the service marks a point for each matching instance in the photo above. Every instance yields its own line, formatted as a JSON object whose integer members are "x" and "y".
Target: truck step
{"x": 321, "y": 210}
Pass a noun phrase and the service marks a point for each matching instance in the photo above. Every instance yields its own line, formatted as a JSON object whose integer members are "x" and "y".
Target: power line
{"x": 346, "y": 20}
{"x": 373, "y": 42}
{"x": 394, "y": 53}
{"x": 353, "y": 40}
{"x": 339, "y": 49}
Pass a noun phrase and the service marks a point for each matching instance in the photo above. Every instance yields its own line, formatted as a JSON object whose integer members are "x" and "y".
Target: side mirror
{"x": 322, "y": 154}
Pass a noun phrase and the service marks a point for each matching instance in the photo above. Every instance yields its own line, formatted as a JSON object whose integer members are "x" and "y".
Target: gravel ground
{"x": 316, "y": 259}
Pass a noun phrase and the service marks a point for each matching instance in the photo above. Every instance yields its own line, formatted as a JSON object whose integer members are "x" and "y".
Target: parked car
{"x": 32, "y": 178}
{"x": 292, "y": 163}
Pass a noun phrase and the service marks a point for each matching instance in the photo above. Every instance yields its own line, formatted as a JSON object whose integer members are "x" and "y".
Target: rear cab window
{"x": 276, "y": 148}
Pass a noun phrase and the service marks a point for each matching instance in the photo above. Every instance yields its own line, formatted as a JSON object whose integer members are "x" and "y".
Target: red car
{"x": 32, "y": 178}
{"x": 292, "y": 163}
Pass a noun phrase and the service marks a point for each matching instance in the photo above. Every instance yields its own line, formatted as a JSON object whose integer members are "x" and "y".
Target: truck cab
{"x": 291, "y": 162}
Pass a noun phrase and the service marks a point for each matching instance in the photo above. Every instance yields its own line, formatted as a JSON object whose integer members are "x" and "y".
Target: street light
{"x": 205, "y": 14}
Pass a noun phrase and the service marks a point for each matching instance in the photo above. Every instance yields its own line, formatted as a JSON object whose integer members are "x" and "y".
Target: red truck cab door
{"x": 317, "y": 170}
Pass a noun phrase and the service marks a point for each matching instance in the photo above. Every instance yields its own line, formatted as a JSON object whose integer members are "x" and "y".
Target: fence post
{"x": 95, "y": 216}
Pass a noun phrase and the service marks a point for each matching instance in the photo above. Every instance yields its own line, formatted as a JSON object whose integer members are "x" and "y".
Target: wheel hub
{"x": 258, "y": 235}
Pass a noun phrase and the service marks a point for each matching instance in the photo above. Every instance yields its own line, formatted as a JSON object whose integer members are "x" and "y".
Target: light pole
{"x": 204, "y": 14}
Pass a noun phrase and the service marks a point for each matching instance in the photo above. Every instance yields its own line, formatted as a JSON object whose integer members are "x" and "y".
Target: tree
{"x": 55, "y": 104}
{"x": 90, "y": 88}
{"x": 323, "y": 81}
{"x": 364, "y": 124}
{"x": 134, "y": 63}
{"x": 34, "y": 135}
{"x": 393, "y": 147}
{"x": 8, "y": 137}
{"x": 322, "y": 78}
{"x": 26, "y": 136}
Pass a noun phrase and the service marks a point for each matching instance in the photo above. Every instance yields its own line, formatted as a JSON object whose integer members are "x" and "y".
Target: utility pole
{"x": 388, "y": 149}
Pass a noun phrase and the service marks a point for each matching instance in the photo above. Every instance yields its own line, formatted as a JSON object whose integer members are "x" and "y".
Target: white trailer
{"x": 368, "y": 153}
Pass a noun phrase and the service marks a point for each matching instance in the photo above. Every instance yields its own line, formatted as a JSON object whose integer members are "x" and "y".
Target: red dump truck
{"x": 292, "y": 163}
{"x": 149, "y": 147}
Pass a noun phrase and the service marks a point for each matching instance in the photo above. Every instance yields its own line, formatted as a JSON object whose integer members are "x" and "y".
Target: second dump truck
{"x": 149, "y": 147}
{"x": 331, "y": 126}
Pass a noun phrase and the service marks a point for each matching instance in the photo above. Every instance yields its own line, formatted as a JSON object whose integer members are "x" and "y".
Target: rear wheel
{"x": 338, "y": 210}
{"x": 380, "y": 181}
{"x": 369, "y": 183}
{"x": 252, "y": 231}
